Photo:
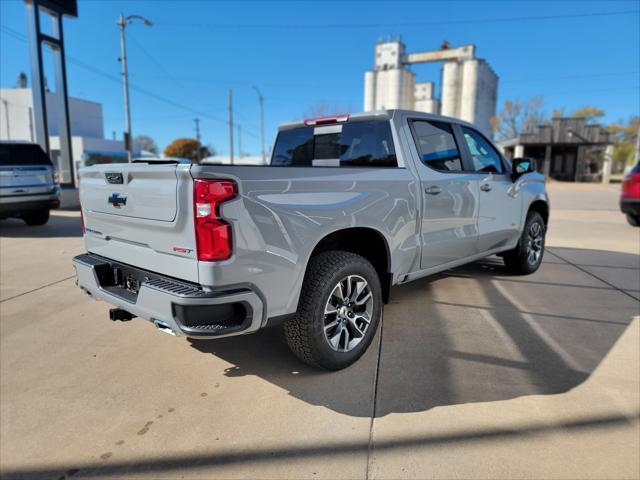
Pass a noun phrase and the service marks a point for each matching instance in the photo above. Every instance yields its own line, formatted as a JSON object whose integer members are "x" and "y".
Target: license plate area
{"x": 121, "y": 281}
{"x": 125, "y": 281}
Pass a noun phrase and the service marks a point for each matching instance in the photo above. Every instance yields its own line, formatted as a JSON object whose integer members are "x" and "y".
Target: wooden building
{"x": 566, "y": 149}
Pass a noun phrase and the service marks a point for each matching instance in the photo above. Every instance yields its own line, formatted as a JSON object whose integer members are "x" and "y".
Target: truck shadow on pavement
{"x": 59, "y": 225}
{"x": 472, "y": 334}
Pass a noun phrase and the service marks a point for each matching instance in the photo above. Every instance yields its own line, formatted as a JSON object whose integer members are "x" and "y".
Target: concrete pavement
{"x": 475, "y": 374}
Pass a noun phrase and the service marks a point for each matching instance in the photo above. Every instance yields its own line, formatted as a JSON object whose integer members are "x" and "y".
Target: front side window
{"x": 437, "y": 146}
{"x": 483, "y": 156}
{"x": 357, "y": 144}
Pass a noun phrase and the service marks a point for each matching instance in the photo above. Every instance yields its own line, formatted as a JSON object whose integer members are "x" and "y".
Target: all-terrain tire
{"x": 305, "y": 331}
{"x": 521, "y": 260}
{"x": 39, "y": 217}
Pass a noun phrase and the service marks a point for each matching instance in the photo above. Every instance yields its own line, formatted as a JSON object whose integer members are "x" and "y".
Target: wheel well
{"x": 366, "y": 242}
{"x": 542, "y": 208}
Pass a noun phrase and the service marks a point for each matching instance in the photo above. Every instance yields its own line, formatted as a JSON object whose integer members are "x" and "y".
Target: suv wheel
{"x": 39, "y": 217}
{"x": 338, "y": 312}
{"x": 527, "y": 256}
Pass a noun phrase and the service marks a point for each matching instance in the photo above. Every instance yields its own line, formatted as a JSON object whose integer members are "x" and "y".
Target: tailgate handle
{"x": 117, "y": 200}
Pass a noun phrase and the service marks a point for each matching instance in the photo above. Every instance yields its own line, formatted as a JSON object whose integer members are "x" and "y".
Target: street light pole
{"x": 261, "y": 100}
{"x": 122, "y": 23}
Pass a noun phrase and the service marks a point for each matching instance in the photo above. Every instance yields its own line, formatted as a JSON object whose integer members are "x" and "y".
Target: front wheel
{"x": 527, "y": 256}
{"x": 338, "y": 312}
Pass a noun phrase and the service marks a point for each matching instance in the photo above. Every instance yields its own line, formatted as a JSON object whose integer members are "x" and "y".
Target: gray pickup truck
{"x": 348, "y": 207}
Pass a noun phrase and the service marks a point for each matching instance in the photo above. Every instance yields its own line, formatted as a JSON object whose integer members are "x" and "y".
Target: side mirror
{"x": 523, "y": 165}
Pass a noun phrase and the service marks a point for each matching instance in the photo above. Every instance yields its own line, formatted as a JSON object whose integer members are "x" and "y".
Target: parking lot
{"x": 474, "y": 374}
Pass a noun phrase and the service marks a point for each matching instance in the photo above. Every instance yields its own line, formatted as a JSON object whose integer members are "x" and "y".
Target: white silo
{"x": 450, "y": 88}
{"x": 369, "y": 91}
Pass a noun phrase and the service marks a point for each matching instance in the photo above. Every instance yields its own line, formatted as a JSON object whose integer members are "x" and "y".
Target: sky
{"x": 304, "y": 54}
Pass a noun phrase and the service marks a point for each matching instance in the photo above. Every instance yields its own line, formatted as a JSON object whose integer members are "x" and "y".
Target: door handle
{"x": 485, "y": 187}
{"x": 432, "y": 190}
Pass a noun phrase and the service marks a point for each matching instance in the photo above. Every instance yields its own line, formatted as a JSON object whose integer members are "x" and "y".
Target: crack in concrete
{"x": 375, "y": 399}
{"x": 38, "y": 288}
{"x": 592, "y": 274}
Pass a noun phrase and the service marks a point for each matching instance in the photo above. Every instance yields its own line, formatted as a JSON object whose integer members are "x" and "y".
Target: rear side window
{"x": 22, "y": 154}
{"x": 366, "y": 144}
{"x": 437, "y": 146}
{"x": 294, "y": 148}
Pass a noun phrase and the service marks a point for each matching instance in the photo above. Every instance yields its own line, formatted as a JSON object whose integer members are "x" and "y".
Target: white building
{"x": 88, "y": 144}
{"x": 469, "y": 86}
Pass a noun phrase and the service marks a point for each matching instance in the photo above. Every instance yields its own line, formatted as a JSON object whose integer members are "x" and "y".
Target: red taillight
{"x": 213, "y": 235}
{"x": 631, "y": 186}
{"x": 327, "y": 120}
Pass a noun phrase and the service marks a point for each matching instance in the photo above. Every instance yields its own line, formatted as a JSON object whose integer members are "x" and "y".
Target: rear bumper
{"x": 184, "y": 308}
{"x": 18, "y": 204}
{"x": 630, "y": 206}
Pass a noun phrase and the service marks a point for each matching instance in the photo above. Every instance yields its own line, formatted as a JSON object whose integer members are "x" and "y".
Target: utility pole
{"x": 239, "y": 141}
{"x": 6, "y": 116}
{"x": 230, "y": 128}
{"x": 261, "y": 100}
{"x": 199, "y": 152}
{"x": 125, "y": 80}
{"x": 122, "y": 23}
{"x": 31, "y": 123}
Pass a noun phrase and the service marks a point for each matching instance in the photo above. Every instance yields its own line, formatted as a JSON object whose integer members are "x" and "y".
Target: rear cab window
{"x": 352, "y": 144}
{"x": 22, "y": 154}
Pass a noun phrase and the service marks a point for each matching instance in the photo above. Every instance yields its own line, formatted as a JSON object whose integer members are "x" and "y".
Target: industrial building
{"x": 87, "y": 128}
{"x": 469, "y": 86}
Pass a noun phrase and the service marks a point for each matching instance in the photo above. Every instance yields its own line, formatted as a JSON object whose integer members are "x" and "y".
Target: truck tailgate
{"x": 142, "y": 215}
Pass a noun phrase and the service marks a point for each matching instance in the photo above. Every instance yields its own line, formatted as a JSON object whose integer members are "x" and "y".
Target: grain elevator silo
{"x": 468, "y": 84}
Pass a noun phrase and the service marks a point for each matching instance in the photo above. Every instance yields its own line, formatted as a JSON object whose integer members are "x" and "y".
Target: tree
{"x": 146, "y": 143}
{"x": 188, "y": 148}
{"x": 518, "y": 116}
{"x": 625, "y": 134}
{"x": 591, "y": 114}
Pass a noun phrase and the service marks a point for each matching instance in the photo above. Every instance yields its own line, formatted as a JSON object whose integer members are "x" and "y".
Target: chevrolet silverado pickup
{"x": 348, "y": 207}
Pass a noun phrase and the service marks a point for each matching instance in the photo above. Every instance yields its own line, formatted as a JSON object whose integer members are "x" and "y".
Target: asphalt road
{"x": 474, "y": 374}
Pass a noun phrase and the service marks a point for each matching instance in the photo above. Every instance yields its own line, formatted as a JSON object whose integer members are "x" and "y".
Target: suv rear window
{"x": 22, "y": 154}
{"x": 357, "y": 144}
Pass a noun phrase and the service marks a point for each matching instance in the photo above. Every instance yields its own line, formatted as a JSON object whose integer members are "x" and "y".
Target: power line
{"x": 571, "y": 77}
{"x": 97, "y": 71}
{"x": 159, "y": 65}
{"x": 613, "y": 89}
{"x": 358, "y": 87}
{"x": 17, "y": 36}
{"x": 402, "y": 24}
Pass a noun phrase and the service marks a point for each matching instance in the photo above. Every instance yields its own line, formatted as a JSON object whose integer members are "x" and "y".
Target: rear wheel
{"x": 527, "y": 256}
{"x": 39, "y": 217}
{"x": 633, "y": 220}
{"x": 338, "y": 313}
